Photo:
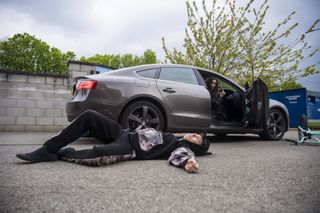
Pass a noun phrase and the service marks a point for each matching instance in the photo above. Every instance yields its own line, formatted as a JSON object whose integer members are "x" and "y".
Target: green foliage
{"x": 126, "y": 60}
{"x": 26, "y": 53}
{"x": 148, "y": 57}
{"x": 231, "y": 40}
{"x": 286, "y": 85}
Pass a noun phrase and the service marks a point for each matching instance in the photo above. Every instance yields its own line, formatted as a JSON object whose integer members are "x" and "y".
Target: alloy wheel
{"x": 142, "y": 114}
{"x": 276, "y": 126}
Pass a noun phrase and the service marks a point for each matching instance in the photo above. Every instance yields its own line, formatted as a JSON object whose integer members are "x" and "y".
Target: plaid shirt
{"x": 180, "y": 157}
{"x": 101, "y": 161}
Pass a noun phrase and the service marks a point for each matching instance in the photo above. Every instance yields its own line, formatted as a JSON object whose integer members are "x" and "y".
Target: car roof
{"x": 149, "y": 66}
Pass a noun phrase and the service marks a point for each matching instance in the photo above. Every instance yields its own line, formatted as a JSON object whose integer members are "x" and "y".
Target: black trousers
{"x": 115, "y": 140}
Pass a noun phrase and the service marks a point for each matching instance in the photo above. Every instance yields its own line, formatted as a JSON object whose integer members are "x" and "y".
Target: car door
{"x": 257, "y": 104}
{"x": 188, "y": 102}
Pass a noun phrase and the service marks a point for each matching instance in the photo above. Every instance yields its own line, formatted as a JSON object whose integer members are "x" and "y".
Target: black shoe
{"x": 65, "y": 152}
{"x": 39, "y": 155}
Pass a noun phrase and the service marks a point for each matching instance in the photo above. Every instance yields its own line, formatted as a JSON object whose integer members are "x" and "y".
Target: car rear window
{"x": 150, "y": 73}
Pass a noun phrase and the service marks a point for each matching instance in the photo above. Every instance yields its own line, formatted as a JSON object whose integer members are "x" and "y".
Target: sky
{"x": 89, "y": 27}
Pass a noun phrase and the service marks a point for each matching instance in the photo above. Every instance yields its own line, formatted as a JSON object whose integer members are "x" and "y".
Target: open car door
{"x": 257, "y": 104}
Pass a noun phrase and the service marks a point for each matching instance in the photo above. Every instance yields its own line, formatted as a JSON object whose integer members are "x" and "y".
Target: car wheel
{"x": 276, "y": 126}
{"x": 142, "y": 114}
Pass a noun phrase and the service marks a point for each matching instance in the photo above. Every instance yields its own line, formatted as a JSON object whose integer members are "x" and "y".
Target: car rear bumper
{"x": 75, "y": 108}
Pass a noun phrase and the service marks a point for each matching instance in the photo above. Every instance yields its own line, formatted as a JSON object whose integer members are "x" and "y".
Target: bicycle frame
{"x": 308, "y": 136}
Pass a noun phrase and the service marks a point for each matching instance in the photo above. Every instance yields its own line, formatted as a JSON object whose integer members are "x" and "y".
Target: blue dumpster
{"x": 299, "y": 101}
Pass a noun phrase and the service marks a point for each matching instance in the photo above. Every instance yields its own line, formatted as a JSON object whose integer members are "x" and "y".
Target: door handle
{"x": 169, "y": 90}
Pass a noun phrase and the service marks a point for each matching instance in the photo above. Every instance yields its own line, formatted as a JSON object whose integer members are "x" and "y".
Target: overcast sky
{"x": 88, "y": 27}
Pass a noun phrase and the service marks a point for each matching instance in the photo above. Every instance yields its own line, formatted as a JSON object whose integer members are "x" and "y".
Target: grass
{"x": 314, "y": 124}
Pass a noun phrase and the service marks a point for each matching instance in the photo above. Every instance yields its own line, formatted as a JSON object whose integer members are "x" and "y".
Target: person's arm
{"x": 184, "y": 158}
{"x": 222, "y": 93}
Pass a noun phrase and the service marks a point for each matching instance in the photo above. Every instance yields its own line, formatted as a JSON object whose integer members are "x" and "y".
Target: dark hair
{"x": 214, "y": 91}
{"x": 200, "y": 149}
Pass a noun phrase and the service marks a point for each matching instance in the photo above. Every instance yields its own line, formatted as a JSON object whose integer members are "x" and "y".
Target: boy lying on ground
{"x": 119, "y": 144}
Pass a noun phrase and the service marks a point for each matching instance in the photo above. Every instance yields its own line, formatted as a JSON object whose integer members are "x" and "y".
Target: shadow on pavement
{"x": 232, "y": 138}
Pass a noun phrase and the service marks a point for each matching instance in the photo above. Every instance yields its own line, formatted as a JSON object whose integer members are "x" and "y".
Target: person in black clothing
{"x": 119, "y": 144}
{"x": 217, "y": 94}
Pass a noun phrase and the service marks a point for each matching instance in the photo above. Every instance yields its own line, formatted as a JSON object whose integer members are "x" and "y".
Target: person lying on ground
{"x": 119, "y": 144}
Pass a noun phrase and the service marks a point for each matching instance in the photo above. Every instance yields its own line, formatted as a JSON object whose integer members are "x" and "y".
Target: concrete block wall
{"x": 36, "y": 103}
{"x": 76, "y": 69}
{"x": 33, "y": 103}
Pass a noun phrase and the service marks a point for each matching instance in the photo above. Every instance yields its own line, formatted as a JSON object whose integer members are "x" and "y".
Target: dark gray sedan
{"x": 175, "y": 98}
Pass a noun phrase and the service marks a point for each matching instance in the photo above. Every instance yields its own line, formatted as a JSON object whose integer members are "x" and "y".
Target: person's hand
{"x": 222, "y": 93}
{"x": 192, "y": 166}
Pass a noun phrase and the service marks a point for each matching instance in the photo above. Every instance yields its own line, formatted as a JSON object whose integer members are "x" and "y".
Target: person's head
{"x": 197, "y": 142}
{"x": 213, "y": 84}
{"x": 193, "y": 138}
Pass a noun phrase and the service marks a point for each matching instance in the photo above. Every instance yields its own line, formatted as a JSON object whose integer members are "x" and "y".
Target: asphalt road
{"x": 243, "y": 175}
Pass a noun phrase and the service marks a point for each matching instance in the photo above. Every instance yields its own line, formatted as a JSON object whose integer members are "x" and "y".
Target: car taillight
{"x": 87, "y": 84}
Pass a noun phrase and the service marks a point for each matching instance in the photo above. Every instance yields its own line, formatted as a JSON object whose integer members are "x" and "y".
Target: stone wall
{"x": 76, "y": 69}
{"x": 36, "y": 103}
{"x": 33, "y": 103}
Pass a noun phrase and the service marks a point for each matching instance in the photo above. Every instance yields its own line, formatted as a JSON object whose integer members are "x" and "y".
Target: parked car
{"x": 175, "y": 98}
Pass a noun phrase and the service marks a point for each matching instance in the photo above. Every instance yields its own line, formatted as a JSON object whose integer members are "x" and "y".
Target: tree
{"x": 24, "y": 52}
{"x": 232, "y": 41}
{"x": 149, "y": 57}
{"x": 126, "y": 60}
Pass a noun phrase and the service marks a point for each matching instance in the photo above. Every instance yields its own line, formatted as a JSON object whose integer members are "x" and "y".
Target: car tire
{"x": 142, "y": 114}
{"x": 276, "y": 126}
